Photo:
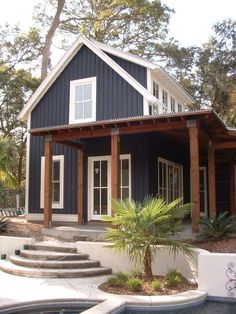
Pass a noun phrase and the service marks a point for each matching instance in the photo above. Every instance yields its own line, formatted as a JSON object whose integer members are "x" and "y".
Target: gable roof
{"x": 53, "y": 75}
{"x": 145, "y": 63}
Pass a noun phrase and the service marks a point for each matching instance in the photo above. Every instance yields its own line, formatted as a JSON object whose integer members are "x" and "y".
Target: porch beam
{"x": 115, "y": 165}
{"x": 194, "y": 174}
{"x": 211, "y": 181}
{"x": 224, "y": 145}
{"x": 232, "y": 189}
{"x": 129, "y": 129}
{"x": 80, "y": 184}
{"x": 47, "y": 182}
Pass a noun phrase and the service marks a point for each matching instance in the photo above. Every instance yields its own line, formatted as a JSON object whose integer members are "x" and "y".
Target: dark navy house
{"x": 107, "y": 124}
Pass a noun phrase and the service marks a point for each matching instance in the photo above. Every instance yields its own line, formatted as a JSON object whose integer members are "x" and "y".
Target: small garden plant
{"x": 125, "y": 283}
{"x": 221, "y": 227}
{"x": 4, "y": 224}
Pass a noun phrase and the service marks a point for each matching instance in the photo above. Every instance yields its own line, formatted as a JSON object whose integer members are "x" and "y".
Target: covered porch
{"x": 202, "y": 136}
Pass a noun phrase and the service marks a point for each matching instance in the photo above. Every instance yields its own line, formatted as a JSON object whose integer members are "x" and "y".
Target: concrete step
{"x": 52, "y": 264}
{"x": 10, "y": 268}
{"x": 82, "y": 237}
{"x": 44, "y": 255}
{"x": 51, "y": 248}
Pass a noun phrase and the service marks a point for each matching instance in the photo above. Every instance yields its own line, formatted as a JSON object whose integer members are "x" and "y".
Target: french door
{"x": 99, "y": 198}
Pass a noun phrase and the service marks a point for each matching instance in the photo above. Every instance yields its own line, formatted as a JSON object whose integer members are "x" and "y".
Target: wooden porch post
{"x": 80, "y": 192}
{"x": 211, "y": 181}
{"x": 47, "y": 182}
{"x": 194, "y": 174}
{"x": 115, "y": 164}
{"x": 232, "y": 189}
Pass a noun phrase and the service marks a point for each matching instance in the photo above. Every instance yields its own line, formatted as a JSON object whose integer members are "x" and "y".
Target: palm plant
{"x": 222, "y": 226}
{"x": 141, "y": 227}
{"x": 7, "y": 179}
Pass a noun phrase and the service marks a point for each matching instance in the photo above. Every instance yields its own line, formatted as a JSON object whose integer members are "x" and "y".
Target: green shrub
{"x": 122, "y": 275}
{"x": 4, "y": 224}
{"x": 114, "y": 281}
{"x": 137, "y": 273}
{"x": 222, "y": 226}
{"x": 135, "y": 284}
{"x": 157, "y": 285}
{"x": 174, "y": 278}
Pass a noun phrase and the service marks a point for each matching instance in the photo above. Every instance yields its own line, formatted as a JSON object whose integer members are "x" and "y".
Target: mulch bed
{"x": 147, "y": 289}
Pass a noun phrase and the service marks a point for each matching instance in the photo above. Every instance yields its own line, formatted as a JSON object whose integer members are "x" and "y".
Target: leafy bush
{"x": 122, "y": 275}
{"x": 157, "y": 285}
{"x": 3, "y": 224}
{"x": 135, "y": 284}
{"x": 222, "y": 226}
{"x": 174, "y": 278}
{"x": 114, "y": 281}
{"x": 137, "y": 273}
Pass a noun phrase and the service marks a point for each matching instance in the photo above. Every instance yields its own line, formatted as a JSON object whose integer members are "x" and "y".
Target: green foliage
{"x": 123, "y": 276}
{"x": 4, "y": 224}
{"x": 137, "y": 273}
{"x": 222, "y": 226}
{"x": 114, "y": 281}
{"x": 141, "y": 227}
{"x": 7, "y": 178}
{"x": 174, "y": 278}
{"x": 157, "y": 285}
{"x": 135, "y": 284}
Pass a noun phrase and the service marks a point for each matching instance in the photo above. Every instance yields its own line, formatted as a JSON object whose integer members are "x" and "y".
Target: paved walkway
{"x": 15, "y": 290}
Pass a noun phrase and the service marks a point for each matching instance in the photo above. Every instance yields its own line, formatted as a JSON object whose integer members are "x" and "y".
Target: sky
{"x": 190, "y": 25}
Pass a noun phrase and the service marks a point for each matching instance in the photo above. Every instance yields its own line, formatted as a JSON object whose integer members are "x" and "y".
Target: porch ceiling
{"x": 174, "y": 125}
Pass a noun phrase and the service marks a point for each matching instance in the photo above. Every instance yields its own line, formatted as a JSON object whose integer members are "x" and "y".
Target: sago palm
{"x": 141, "y": 227}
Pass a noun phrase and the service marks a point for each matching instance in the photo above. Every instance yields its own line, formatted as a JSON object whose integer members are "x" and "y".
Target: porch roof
{"x": 208, "y": 120}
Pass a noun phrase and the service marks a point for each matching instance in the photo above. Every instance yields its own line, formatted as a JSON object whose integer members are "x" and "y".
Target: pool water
{"x": 208, "y": 307}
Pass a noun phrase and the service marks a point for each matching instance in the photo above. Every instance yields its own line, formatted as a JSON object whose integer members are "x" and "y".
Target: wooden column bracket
{"x": 80, "y": 192}
{"x": 211, "y": 180}
{"x": 194, "y": 174}
{"x": 48, "y": 182}
{"x": 115, "y": 164}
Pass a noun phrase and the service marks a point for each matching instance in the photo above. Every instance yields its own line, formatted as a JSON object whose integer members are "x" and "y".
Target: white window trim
{"x": 90, "y": 182}
{"x": 172, "y": 163}
{"x": 127, "y": 156}
{"x": 61, "y": 203}
{"x": 73, "y": 84}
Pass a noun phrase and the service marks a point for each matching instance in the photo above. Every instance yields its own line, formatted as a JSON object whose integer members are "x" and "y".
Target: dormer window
{"x": 156, "y": 90}
{"x": 172, "y": 104}
{"x": 165, "y": 99}
{"x": 83, "y": 100}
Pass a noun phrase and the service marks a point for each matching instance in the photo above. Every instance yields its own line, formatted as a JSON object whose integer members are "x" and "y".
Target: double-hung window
{"x": 83, "y": 100}
{"x": 170, "y": 180}
{"x": 165, "y": 100}
{"x": 172, "y": 104}
{"x": 156, "y": 90}
{"x": 57, "y": 181}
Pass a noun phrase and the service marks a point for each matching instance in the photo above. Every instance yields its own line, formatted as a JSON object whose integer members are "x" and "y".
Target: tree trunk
{"x": 147, "y": 264}
{"x": 49, "y": 37}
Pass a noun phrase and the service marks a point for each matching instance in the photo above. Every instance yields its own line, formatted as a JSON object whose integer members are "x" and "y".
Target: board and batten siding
{"x": 115, "y": 99}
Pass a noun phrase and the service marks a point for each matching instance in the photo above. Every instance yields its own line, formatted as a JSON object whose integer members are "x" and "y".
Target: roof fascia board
{"x": 50, "y": 79}
{"x": 52, "y": 76}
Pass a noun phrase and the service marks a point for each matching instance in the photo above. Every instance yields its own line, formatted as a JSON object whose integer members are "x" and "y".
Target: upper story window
{"x": 165, "y": 99}
{"x": 172, "y": 104}
{"x": 156, "y": 90}
{"x": 83, "y": 100}
{"x": 180, "y": 108}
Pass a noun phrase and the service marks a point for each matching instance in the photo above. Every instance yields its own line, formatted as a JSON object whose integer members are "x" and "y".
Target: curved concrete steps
{"x": 52, "y": 264}
{"x": 13, "y": 269}
{"x": 44, "y": 255}
{"x": 49, "y": 261}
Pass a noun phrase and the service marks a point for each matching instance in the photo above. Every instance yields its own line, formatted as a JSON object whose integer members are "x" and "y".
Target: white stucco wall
{"x": 217, "y": 274}
{"x": 8, "y": 245}
{"x": 163, "y": 261}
